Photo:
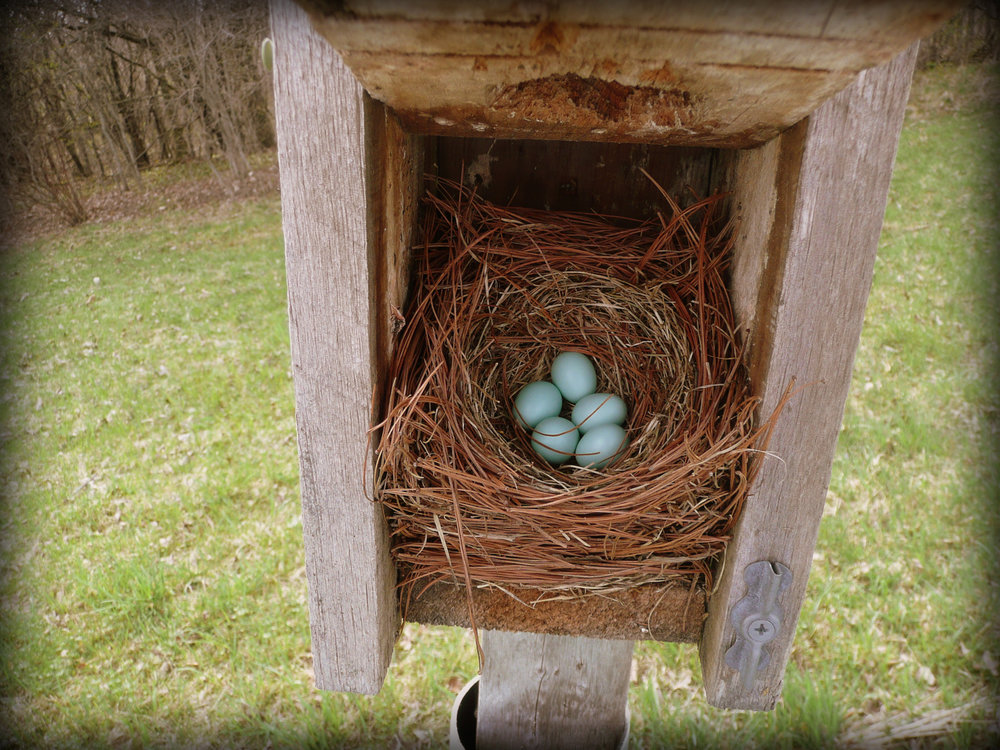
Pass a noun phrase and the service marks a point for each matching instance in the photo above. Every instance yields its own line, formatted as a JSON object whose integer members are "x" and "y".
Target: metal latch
{"x": 757, "y": 618}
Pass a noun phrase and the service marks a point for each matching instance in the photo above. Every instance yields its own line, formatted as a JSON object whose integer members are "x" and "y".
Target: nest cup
{"x": 498, "y": 293}
{"x": 629, "y": 332}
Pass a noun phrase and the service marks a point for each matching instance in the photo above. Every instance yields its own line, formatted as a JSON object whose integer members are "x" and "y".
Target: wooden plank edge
{"x": 822, "y": 285}
{"x": 325, "y": 212}
{"x": 557, "y": 693}
{"x": 663, "y": 612}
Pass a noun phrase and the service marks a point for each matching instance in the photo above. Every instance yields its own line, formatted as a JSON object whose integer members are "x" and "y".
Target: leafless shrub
{"x": 107, "y": 89}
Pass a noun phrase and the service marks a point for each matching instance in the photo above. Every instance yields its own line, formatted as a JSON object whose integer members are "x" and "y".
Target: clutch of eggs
{"x": 593, "y": 436}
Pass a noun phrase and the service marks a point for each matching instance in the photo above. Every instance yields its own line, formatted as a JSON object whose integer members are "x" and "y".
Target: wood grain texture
{"x": 725, "y": 74}
{"x": 820, "y": 19}
{"x": 668, "y": 612}
{"x": 617, "y": 100}
{"x": 573, "y": 175}
{"x": 552, "y": 692}
{"x": 394, "y": 180}
{"x": 320, "y": 118}
{"x": 810, "y": 307}
{"x": 752, "y": 178}
{"x": 523, "y": 39}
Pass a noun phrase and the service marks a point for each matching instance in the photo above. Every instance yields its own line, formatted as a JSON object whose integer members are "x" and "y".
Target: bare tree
{"x": 973, "y": 35}
{"x": 107, "y": 88}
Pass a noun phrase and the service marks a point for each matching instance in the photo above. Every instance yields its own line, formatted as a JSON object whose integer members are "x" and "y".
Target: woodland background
{"x": 100, "y": 92}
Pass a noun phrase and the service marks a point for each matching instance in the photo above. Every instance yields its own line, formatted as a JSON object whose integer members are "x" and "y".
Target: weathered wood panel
{"x": 730, "y": 74}
{"x": 764, "y": 182}
{"x": 603, "y": 99}
{"x": 808, "y": 310}
{"x": 667, "y": 612}
{"x": 395, "y": 164}
{"x": 573, "y": 175}
{"x": 324, "y": 163}
{"x": 792, "y": 18}
{"x": 696, "y": 46}
{"x": 552, "y": 693}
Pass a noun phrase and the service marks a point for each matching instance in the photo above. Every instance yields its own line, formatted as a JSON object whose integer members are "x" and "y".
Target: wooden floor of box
{"x": 664, "y": 612}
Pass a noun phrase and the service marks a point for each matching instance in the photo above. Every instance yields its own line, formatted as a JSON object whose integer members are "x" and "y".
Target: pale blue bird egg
{"x": 555, "y": 439}
{"x": 601, "y": 446}
{"x": 535, "y": 402}
{"x": 574, "y": 375}
{"x": 597, "y": 409}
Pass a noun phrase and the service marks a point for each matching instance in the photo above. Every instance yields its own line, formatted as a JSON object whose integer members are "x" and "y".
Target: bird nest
{"x": 498, "y": 292}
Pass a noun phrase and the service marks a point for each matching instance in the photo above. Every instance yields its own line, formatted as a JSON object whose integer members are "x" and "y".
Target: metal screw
{"x": 760, "y": 630}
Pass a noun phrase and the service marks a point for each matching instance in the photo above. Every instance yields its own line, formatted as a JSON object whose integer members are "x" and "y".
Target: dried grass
{"x": 921, "y": 728}
{"x": 498, "y": 293}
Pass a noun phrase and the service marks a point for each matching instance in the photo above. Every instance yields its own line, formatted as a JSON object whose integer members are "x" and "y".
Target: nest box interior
{"x": 565, "y": 175}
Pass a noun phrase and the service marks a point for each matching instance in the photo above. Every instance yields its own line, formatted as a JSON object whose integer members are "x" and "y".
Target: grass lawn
{"x": 153, "y": 587}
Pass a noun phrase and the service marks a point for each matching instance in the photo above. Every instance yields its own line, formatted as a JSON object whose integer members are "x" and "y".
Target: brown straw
{"x": 498, "y": 292}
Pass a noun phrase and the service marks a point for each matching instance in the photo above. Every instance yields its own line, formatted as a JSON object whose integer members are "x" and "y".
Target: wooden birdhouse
{"x": 792, "y": 108}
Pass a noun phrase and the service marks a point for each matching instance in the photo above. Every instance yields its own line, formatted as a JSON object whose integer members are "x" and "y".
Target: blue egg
{"x": 554, "y": 439}
{"x": 574, "y": 375}
{"x": 601, "y": 446}
{"x": 535, "y": 402}
{"x": 597, "y": 409}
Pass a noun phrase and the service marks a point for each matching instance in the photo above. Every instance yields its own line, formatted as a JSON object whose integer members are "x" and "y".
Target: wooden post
{"x": 801, "y": 287}
{"x": 328, "y": 136}
{"x": 552, "y": 692}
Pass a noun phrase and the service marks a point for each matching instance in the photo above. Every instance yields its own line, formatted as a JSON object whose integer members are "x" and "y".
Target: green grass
{"x": 900, "y": 620}
{"x": 153, "y": 582}
{"x": 155, "y": 587}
